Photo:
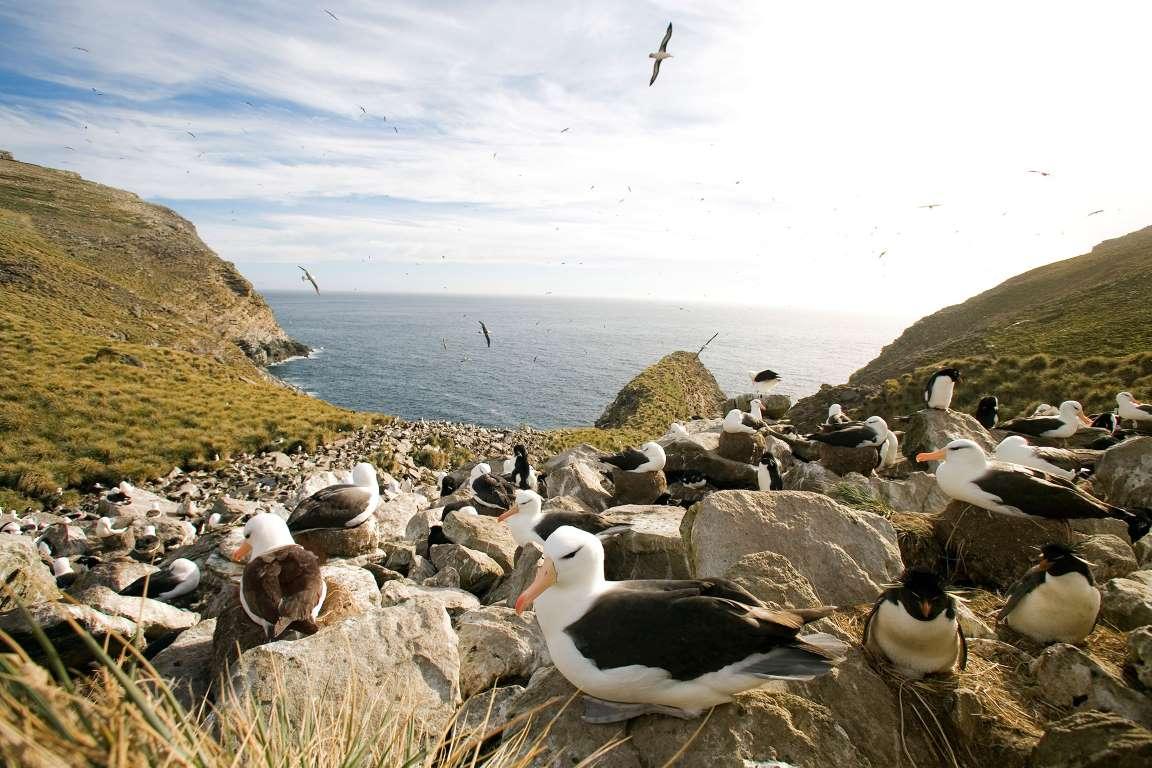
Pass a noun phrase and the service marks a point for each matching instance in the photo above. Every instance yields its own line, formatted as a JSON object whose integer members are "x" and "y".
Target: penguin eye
{"x": 571, "y": 554}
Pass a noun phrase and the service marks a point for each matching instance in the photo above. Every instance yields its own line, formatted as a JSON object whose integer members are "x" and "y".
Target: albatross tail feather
{"x": 794, "y": 662}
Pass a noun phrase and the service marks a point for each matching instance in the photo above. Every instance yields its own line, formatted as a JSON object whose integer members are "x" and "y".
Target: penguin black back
{"x": 987, "y": 411}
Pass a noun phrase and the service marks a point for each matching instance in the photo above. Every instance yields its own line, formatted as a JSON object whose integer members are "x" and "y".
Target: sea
{"x": 554, "y": 362}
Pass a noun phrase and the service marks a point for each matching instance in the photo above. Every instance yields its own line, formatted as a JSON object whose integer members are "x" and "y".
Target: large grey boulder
{"x": 506, "y": 592}
{"x": 995, "y": 549}
{"x": 478, "y": 572}
{"x": 116, "y": 576}
{"x": 485, "y": 713}
{"x": 1069, "y": 679}
{"x": 186, "y": 664}
{"x": 28, "y": 578}
{"x": 153, "y": 617}
{"x": 498, "y": 647}
{"x": 637, "y": 487}
{"x": 141, "y": 504}
{"x": 842, "y": 461}
{"x": 809, "y": 476}
{"x": 579, "y": 454}
{"x": 918, "y": 492}
{"x": 340, "y": 542}
{"x": 770, "y": 577}
{"x": 413, "y": 665}
{"x": 113, "y": 632}
{"x": 483, "y": 534}
{"x": 451, "y": 600}
{"x": 1126, "y": 603}
{"x": 1140, "y": 655}
{"x": 741, "y": 447}
{"x": 1093, "y": 740}
{"x": 392, "y": 516}
{"x": 582, "y": 480}
{"x": 352, "y": 591}
{"x": 846, "y": 555}
{"x": 931, "y": 428}
{"x": 1124, "y": 473}
{"x": 690, "y": 456}
{"x": 651, "y": 548}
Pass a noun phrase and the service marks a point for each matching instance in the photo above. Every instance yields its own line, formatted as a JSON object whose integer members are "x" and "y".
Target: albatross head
{"x": 572, "y": 559}
{"x": 1070, "y": 410}
{"x": 183, "y": 568}
{"x": 483, "y": 468}
{"x": 61, "y": 566}
{"x": 834, "y": 410}
{"x": 878, "y": 425}
{"x": 962, "y": 452}
{"x": 263, "y": 533}
{"x": 1013, "y": 445}
{"x": 528, "y": 502}
{"x": 364, "y": 476}
{"x": 1126, "y": 398}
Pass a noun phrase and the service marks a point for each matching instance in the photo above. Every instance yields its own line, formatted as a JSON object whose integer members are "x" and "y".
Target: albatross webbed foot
{"x": 601, "y": 711}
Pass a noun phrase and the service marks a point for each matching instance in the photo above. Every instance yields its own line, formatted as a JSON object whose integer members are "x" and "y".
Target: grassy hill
{"x": 129, "y": 346}
{"x": 1075, "y": 329}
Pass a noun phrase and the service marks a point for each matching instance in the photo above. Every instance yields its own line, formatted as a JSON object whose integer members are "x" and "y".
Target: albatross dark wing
{"x": 1036, "y": 493}
{"x": 282, "y": 587}
{"x": 494, "y": 491}
{"x": 849, "y": 437}
{"x": 157, "y": 584}
{"x": 585, "y": 521}
{"x": 1032, "y": 426}
{"x": 330, "y": 507}
{"x": 627, "y": 459}
{"x": 655, "y": 71}
{"x": 688, "y": 635}
{"x": 667, "y": 37}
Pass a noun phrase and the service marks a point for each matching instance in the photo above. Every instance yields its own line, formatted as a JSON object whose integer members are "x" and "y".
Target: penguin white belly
{"x": 890, "y": 451}
{"x": 1062, "y": 609}
{"x": 940, "y": 393}
{"x": 915, "y": 647}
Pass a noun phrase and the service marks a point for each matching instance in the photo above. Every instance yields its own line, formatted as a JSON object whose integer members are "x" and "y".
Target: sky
{"x": 783, "y": 157}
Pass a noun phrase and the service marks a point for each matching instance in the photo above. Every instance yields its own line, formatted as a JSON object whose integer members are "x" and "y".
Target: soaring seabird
{"x": 307, "y": 276}
{"x": 987, "y": 411}
{"x": 1065, "y": 425}
{"x": 660, "y": 55}
{"x": 339, "y": 506}
{"x": 527, "y": 523}
{"x": 487, "y": 336}
{"x": 939, "y": 387}
{"x": 914, "y": 625}
{"x": 763, "y": 381}
{"x": 281, "y": 586}
{"x": 1055, "y": 601}
{"x": 1132, "y": 409}
{"x": 768, "y": 473}
{"x": 967, "y": 475}
{"x": 674, "y": 647}
{"x": 870, "y": 434}
{"x": 489, "y": 490}
{"x": 181, "y": 578}
{"x": 649, "y": 458}
{"x": 836, "y": 415}
{"x": 1014, "y": 449}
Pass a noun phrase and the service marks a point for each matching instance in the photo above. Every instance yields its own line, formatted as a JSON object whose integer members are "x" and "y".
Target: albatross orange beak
{"x": 507, "y": 514}
{"x": 933, "y": 456}
{"x": 241, "y": 554}
{"x": 1085, "y": 420}
{"x": 545, "y": 577}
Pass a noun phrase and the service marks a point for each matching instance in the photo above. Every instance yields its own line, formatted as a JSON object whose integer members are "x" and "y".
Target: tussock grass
{"x": 857, "y": 497}
{"x": 124, "y": 714}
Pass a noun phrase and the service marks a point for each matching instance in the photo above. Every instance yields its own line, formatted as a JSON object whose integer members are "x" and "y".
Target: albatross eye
{"x": 571, "y": 554}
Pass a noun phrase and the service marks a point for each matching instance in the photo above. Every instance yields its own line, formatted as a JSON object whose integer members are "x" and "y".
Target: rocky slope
{"x": 1076, "y": 329}
{"x": 129, "y": 347}
{"x": 678, "y": 386}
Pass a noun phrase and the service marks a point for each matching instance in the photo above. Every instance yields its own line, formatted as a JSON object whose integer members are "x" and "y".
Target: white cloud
{"x": 836, "y": 119}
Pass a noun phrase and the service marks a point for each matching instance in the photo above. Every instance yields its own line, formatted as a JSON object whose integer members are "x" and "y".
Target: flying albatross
{"x": 487, "y": 336}
{"x": 307, "y": 276}
{"x": 670, "y": 647}
{"x": 966, "y": 474}
{"x": 660, "y": 55}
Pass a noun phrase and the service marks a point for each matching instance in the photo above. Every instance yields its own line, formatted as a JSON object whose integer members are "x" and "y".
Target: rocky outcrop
{"x": 29, "y": 580}
{"x": 677, "y": 387}
{"x": 931, "y": 429}
{"x": 1124, "y": 473}
{"x": 846, "y": 555}
{"x": 1094, "y": 740}
{"x": 650, "y": 548}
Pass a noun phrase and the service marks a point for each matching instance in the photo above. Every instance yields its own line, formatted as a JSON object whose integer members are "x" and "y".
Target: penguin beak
{"x": 545, "y": 577}
{"x": 925, "y": 608}
{"x": 933, "y": 456}
{"x": 505, "y": 515}
{"x": 241, "y": 554}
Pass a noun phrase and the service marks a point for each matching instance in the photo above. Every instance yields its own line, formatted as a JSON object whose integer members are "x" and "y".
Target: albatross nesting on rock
{"x": 1014, "y": 449}
{"x": 491, "y": 491}
{"x": 1132, "y": 409}
{"x": 668, "y": 647}
{"x": 339, "y": 506}
{"x": 1071, "y": 417}
{"x": 528, "y": 523}
{"x": 966, "y": 474}
{"x": 281, "y": 586}
{"x": 649, "y": 458}
{"x": 180, "y": 578}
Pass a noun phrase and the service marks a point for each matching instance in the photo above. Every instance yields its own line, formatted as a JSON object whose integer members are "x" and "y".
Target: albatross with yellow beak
{"x": 281, "y": 586}
{"x": 672, "y": 647}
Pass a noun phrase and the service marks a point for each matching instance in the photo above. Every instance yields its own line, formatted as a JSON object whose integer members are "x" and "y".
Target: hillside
{"x": 1075, "y": 329}
{"x": 129, "y": 346}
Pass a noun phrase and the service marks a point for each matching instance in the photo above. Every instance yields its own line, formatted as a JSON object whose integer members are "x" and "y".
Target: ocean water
{"x": 553, "y": 362}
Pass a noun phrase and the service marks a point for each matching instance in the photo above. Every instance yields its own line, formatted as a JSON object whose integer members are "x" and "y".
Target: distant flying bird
{"x": 396, "y": 129}
{"x": 78, "y": 48}
{"x": 308, "y": 276}
{"x": 1042, "y": 173}
{"x": 444, "y": 343}
{"x": 487, "y": 336}
{"x": 882, "y": 253}
{"x": 565, "y": 130}
{"x": 1096, "y": 212}
{"x": 362, "y": 108}
{"x": 98, "y": 93}
{"x": 69, "y": 148}
{"x": 660, "y": 55}
{"x": 190, "y": 134}
{"x": 250, "y": 104}
{"x": 930, "y": 205}
{"x": 331, "y": 14}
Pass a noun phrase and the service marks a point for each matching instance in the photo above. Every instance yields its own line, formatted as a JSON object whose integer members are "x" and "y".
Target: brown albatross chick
{"x": 281, "y": 586}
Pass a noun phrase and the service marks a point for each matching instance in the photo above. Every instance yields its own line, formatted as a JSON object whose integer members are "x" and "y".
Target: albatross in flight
{"x": 308, "y": 276}
{"x": 487, "y": 336}
{"x": 660, "y": 55}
